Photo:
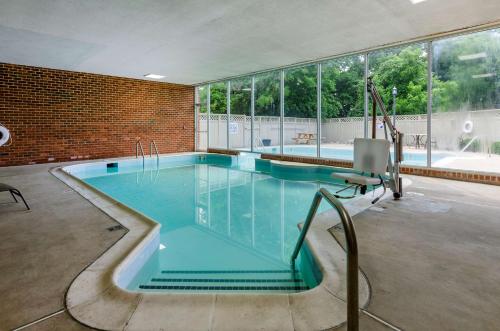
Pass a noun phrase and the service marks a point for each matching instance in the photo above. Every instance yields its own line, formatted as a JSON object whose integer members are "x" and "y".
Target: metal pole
{"x": 282, "y": 109}
{"x": 228, "y": 112}
{"x": 429, "y": 104}
{"x": 351, "y": 251}
{"x": 208, "y": 116}
{"x": 365, "y": 122}
{"x": 252, "y": 113}
{"x": 394, "y": 94}
{"x": 196, "y": 116}
{"x": 318, "y": 111}
{"x": 374, "y": 119}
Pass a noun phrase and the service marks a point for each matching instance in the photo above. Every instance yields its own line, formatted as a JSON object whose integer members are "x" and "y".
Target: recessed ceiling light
{"x": 472, "y": 56}
{"x": 484, "y": 75}
{"x": 154, "y": 76}
{"x": 416, "y": 1}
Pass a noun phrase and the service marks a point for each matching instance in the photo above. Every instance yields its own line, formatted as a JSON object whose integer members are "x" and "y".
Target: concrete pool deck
{"x": 417, "y": 281}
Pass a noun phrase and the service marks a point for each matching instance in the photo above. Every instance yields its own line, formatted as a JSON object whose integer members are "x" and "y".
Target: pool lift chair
{"x": 372, "y": 157}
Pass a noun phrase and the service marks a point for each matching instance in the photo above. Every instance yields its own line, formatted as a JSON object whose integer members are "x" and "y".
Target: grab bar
{"x": 138, "y": 145}
{"x": 151, "y": 145}
{"x": 351, "y": 251}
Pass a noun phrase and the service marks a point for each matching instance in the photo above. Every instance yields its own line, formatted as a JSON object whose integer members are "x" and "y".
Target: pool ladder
{"x": 351, "y": 251}
{"x": 152, "y": 145}
{"x": 138, "y": 146}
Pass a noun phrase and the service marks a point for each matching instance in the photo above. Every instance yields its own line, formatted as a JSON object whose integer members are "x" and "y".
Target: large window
{"x": 218, "y": 115}
{"x": 404, "y": 71}
{"x": 240, "y": 119}
{"x": 466, "y": 102}
{"x": 202, "y": 117}
{"x": 300, "y": 125}
{"x": 462, "y": 131}
{"x": 266, "y": 133}
{"x": 342, "y": 106}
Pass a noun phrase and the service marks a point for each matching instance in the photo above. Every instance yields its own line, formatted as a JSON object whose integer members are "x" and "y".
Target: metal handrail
{"x": 138, "y": 145}
{"x": 351, "y": 251}
{"x": 151, "y": 145}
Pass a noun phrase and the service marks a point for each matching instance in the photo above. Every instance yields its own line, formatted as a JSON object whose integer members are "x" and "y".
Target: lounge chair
{"x": 13, "y": 191}
{"x": 371, "y": 157}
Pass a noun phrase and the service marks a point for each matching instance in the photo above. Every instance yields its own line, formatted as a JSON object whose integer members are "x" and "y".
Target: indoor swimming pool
{"x": 225, "y": 226}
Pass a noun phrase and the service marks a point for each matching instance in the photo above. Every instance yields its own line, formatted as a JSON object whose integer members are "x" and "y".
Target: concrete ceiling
{"x": 192, "y": 41}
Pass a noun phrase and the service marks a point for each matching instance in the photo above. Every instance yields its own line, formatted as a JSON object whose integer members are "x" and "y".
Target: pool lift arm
{"x": 394, "y": 182}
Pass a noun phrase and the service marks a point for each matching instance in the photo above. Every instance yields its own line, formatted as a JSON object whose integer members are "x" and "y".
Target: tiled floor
{"x": 431, "y": 258}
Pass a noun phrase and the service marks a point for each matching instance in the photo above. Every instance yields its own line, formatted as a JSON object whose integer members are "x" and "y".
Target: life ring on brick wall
{"x": 468, "y": 126}
{"x": 4, "y": 135}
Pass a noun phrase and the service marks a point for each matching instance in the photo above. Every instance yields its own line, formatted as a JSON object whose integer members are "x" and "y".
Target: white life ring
{"x": 4, "y": 135}
{"x": 468, "y": 126}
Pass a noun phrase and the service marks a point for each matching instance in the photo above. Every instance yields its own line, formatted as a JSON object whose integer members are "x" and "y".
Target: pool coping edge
{"x": 95, "y": 299}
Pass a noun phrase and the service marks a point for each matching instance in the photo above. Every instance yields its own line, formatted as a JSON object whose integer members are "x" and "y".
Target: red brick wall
{"x": 56, "y": 115}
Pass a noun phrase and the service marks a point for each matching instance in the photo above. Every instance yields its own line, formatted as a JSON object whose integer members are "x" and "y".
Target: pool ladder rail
{"x": 351, "y": 251}
{"x": 138, "y": 146}
{"x": 152, "y": 145}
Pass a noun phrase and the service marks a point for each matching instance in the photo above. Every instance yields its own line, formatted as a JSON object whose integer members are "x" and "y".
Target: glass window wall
{"x": 300, "y": 125}
{"x": 267, "y": 113}
{"x": 466, "y": 102}
{"x": 463, "y": 129}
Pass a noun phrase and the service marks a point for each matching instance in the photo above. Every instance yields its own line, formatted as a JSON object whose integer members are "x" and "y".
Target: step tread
{"x": 224, "y": 288}
{"x": 226, "y": 271}
{"x": 228, "y": 280}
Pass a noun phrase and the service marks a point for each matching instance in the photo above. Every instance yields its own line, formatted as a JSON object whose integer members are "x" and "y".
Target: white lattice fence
{"x": 447, "y": 129}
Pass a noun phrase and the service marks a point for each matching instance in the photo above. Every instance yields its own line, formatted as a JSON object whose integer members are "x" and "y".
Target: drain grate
{"x": 115, "y": 227}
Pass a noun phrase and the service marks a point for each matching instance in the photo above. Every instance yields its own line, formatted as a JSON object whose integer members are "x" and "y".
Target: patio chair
{"x": 371, "y": 157}
{"x": 13, "y": 191}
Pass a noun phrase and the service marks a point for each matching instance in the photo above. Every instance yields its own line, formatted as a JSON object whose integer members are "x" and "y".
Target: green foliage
{"x": 300, "y": 92}
{"x": 240, "y": 96}
{"x": 495, "y": 147}
{"x": 343, "y": 87}
{"x": 267, "y": 94}
{"x": 456, "y": 83}
{"x": 473, "y": 82}
{"x": 405, "y": 69}
{"x": 202, "y": 94}
{"x": 218, "y": 100}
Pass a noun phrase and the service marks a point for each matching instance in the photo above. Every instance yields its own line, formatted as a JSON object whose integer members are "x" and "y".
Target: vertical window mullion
{"x": 365, "y": 121}
{"x": 282, "y": 109}
{"x": 318, "y": 111}
{"x": 208, "y": 116}
{"x": 429, "y": 104}
{"x": 252, "y": 113}
{"x": 228, "y": 112}
{"x": 197, "y": 106}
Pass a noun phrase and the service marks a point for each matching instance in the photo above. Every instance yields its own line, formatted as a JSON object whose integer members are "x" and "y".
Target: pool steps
{"x": 227, "y": 280}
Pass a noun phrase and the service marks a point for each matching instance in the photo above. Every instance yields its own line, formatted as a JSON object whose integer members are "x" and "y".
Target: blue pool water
{"x": 223, "y": 226}
{"x": 409, "y": 157}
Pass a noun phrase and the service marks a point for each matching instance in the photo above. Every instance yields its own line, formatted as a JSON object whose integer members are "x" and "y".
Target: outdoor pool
{"x": 418, "y": 158}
